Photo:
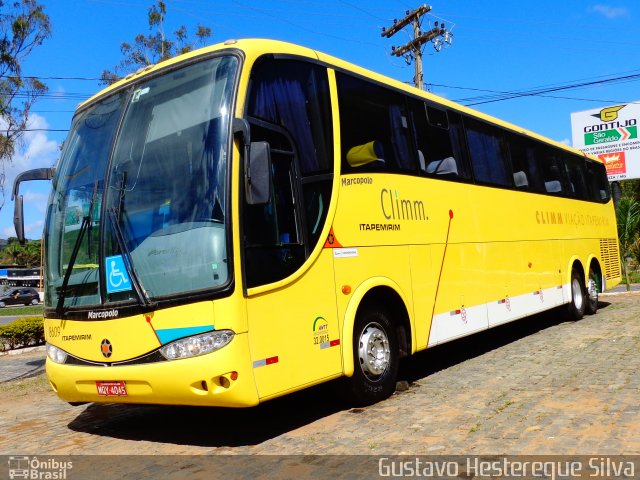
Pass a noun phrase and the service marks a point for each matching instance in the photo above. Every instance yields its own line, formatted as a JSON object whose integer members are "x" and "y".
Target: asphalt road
{"x": 5, "y": 320}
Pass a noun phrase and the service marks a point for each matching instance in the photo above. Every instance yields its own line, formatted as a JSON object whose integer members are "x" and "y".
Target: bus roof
{"x": 253, "y": 48}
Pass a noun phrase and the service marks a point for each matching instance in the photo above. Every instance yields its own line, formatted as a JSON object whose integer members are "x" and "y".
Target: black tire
{"x": 2, "y": 304}
{"x": 578, "y": 301}
{"x": 35, "y": 301}
{"x": 375, "y": 356}
{"x": 591, "y": 293}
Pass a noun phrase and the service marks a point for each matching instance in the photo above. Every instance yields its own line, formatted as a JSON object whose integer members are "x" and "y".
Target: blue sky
{"x": 497, "y": 46}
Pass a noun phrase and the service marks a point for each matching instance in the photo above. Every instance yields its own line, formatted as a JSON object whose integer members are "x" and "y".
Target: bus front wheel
{"x": 375, "y": 354}
{"x": 578, "y": 302}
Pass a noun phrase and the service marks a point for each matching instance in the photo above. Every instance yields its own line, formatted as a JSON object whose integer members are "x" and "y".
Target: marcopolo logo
{"x": 35, "y": 468}
{"x": 103, "y": 314}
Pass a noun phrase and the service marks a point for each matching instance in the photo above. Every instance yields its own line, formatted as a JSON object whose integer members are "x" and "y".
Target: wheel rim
{"x": 576, "y": 288}
{"x": 374, "y": 351}
{"x": 592, "y": 290}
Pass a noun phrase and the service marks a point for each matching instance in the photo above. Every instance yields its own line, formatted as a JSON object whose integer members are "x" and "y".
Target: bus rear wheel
{"x": 592, "y": 293}
{"x": 578, "y": 302}
{"x": 375, "y": 354}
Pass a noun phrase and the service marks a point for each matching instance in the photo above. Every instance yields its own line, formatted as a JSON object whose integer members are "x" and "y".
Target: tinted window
{"x": 489, "y": 154}
{"x": 576, "y": 177}
{"x": 375, "y": 133}
{"x": 598, "y": 181}
{"x": 524, "y": 164}
{"x": 439, "y": 139}
{"x": 289, "y": 108}
{"x": 551, "y": 168}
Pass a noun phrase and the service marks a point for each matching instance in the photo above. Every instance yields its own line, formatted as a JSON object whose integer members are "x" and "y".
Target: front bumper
{"x": 206, "y": 380}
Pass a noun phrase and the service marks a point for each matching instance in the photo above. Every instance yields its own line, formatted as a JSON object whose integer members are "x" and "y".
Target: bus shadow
{"x": 444, "y": 356}
{"x": 209, "y": 426}
{"x": 226, "y": 427}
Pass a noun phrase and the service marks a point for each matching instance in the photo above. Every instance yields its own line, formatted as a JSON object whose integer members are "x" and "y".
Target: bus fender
{"x": 350, "y": 317}
{"x": 572, "y": 261}
{"x": 593, "y": 259}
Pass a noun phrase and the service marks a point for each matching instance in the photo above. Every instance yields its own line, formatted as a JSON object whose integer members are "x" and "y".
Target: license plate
{"x": 112, "y": 389}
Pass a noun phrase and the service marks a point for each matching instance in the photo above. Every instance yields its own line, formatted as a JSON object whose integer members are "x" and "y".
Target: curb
{"x": 20, "y": 351}
{"x": 632, "y": 292}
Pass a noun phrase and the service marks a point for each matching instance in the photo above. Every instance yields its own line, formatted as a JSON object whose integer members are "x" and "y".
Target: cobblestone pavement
{"x": 539, "y": 386}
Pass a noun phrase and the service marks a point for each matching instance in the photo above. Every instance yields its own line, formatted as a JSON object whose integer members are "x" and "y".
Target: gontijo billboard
{"x": 610, "y": 133}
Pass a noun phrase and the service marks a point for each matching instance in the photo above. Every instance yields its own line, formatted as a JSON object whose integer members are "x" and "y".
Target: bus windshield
{"x": 139, "y": 204}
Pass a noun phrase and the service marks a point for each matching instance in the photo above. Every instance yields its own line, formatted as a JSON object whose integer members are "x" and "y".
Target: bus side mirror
{"x": 18, "y": 212}
{"x": 257, "y": 165}
{"x": 18, "y": 219}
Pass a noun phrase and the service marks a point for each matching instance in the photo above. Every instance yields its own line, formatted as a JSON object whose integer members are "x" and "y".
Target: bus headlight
{"x": 55, "y": 354}
{"x": 197, "y": 344}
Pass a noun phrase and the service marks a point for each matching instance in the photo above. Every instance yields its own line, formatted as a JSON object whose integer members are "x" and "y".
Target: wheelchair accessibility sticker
{"x": 117, "y": 276}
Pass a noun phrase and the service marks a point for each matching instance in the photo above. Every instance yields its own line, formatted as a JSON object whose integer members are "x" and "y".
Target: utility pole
{"x": 412, "y": 51}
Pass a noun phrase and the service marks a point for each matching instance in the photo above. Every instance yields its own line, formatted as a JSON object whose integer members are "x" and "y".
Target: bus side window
{"x": 438, "y": 136}
{"x": 575, "y": 168}
{"x": 375, "y": 132}
{"x": 489, "y": 154}
{"x": 597, "y": 178}
{"x": 526, "y": 175}
{"x": 552, "y": 171}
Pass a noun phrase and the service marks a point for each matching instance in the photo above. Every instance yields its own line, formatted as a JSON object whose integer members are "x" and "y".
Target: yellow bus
{"x": 254, "y": 218}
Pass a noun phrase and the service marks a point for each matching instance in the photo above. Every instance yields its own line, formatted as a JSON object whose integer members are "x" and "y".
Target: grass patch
{"x": 634, "y": 276}
{"x": 21, "y": 311}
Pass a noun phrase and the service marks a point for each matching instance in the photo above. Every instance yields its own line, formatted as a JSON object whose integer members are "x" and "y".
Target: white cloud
{"x": 566, "y": 141}
{"x": 609, "y": 11}
{"x": 35, "y": 151}
{"x": 32, "y": 230}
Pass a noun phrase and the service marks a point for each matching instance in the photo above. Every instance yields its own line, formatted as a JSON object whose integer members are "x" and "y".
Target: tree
{"x": 12, "y": 253}
{"x": 631, "y": 188}
{"x": 23, "y": 27}
{"x": 628, "y": 216}
{"x": 16, "y": 254}
{"x": 30, "y": 255}
{"x": 154, "y": 47}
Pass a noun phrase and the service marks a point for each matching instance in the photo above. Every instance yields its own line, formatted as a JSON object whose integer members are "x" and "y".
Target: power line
{"x": 483, "y": 99}
{"x": 36, "y": 77}
{"x": 20, "y": 130}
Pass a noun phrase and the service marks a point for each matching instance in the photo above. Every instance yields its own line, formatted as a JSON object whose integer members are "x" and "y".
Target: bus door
{"x": 289, "y": 279}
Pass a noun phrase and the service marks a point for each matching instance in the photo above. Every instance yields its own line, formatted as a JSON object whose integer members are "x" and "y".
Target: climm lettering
{"x": 551, "y": 218}
{"x": 396, "y": 208}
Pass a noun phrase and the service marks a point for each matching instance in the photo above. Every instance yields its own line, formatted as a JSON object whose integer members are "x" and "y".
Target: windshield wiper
{"x": 85, "y": 226}
{"x": 141, "y": 293}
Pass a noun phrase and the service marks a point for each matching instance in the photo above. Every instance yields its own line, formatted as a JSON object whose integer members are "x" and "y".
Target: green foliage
{"x": 631, "y": 189}
{"x": 23, "y": 27}
{"x": 22, "y": 311}
{"x": 156, "y": 46}
{"x": 23, "y": 332}
{"x": 16, "y": 254}
{"x": 628, "y": 217}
